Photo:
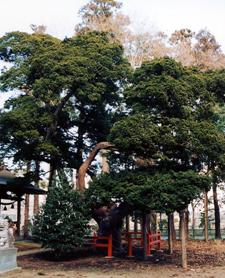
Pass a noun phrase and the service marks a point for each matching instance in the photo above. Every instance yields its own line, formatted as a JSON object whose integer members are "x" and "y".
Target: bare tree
{"x": 138, "y": 47}
{"x": 181, "y": 42}
{"x": 208, "y": 53}
{"x": 200, "y": 50}
{"x": 95, "y": 15}
{"x": 38, "y": 29}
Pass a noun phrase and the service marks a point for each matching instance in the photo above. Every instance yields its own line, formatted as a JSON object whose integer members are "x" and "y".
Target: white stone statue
{"x": 11, "y": 234}
{"x": 8, "y": 253}
{"x": 6, "y": 234}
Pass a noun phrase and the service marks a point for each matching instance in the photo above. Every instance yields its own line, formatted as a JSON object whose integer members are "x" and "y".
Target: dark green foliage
{"x": 137, "y": 134}
{"x": 170, "y": 118}
{"x": 164, "y": 88}
{"x": 171, "y": 136}
{"x": 216, "y": 84}
{"x": 63, "y": 221}
{"x": 160, "y": 191}
{"x": 23, "y": 129}
{"x": 69, "y": 90}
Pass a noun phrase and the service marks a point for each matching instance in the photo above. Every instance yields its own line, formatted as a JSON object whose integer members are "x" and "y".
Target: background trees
{"x": 191, "y": 49}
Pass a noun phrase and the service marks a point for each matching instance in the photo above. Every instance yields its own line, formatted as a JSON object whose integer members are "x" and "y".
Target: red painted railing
{"x": 152, "y": 240}
{"x": 107, "y": 244}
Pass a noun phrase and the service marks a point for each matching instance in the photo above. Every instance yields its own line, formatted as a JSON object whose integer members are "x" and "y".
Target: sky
{"x": 60, "y": 16}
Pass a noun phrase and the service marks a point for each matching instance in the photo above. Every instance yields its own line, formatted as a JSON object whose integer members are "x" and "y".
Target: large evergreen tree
{"x": 169, "y": 135}
{"x": 68, "y": 89}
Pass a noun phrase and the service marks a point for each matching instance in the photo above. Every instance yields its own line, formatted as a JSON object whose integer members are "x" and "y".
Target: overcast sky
{"x": 60, "y": 16}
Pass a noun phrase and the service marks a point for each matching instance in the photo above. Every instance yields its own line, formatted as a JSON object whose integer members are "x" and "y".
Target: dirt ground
{"x": 159, "y": 272}
{"x": 205, "y": 260}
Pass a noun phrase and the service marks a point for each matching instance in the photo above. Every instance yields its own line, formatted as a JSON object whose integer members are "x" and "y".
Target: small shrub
{"x": 63, "y": 221}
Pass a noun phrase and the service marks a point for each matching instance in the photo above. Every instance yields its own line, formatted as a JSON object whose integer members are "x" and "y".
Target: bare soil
{"x": 204, "y": 259}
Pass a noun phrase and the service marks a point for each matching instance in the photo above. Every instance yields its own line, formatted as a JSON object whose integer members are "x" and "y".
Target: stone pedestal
{"x": 8, "y": 259}
{"x": 8, "y": 253}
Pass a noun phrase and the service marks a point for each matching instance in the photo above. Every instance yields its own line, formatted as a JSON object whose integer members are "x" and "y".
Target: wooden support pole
{"x": 127, "y": 224}
{"x": 170, "y": 236}
{"x": 109, "y": 255}
{"x": 183, "y": 239}
{"x": 129, "y": 239}
{"x": 144, "y": 233}
{"x": 206, "y": 201}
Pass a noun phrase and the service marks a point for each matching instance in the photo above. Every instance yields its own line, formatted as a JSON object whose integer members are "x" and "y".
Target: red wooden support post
{"x": 110, "y": 247}
{"x": 159, "y": 240}
{"x": 148, "y": 244}
{"x": 150, "y": 241}
{"x": 130, "y": 255}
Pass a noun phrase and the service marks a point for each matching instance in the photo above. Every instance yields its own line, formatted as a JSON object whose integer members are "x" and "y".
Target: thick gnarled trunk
{"x": 110, "y": 221}
{"x": 85, "y": 165}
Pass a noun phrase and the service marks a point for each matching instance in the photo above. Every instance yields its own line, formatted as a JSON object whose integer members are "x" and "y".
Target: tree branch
{"x": 85, "y": 165}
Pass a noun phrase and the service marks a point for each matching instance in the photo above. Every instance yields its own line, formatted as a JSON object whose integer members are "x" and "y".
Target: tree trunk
{"x": 53, "y": 126}
{"x": 26, "y": 216}
{"x": 153, "y": 222}
{"x": 217, "y": 212}
{"x": 160, "y": 222}
{"x": 144, "y": 234}
{"x": 148, "y": 222}
{"x": 193, "y": 220}
{"x": 111, "y": 223}
{"x": 186, "y": 222}
{"x": 36, "y": 196}
{"x": 85, "y": 165}
{"x": 179, "y": 226}
{"x": 52, "y": 173}
{"x": 26, "y": 209}
{"x": 186, "y": 215}
{"x": 105, "y": 162}
{"x": 18, "y": 217}
{"x": 36, "y": 204}
{"x": 173, "y": 230}
{"x": 206, "y": 220}
{"x": 170, "y": 237}
{"x": 127, "y": 224}
{"x": 183, "y": 239}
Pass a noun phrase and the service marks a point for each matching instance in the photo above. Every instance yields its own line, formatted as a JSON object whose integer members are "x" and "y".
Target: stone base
{"x": 8, "y": 259}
